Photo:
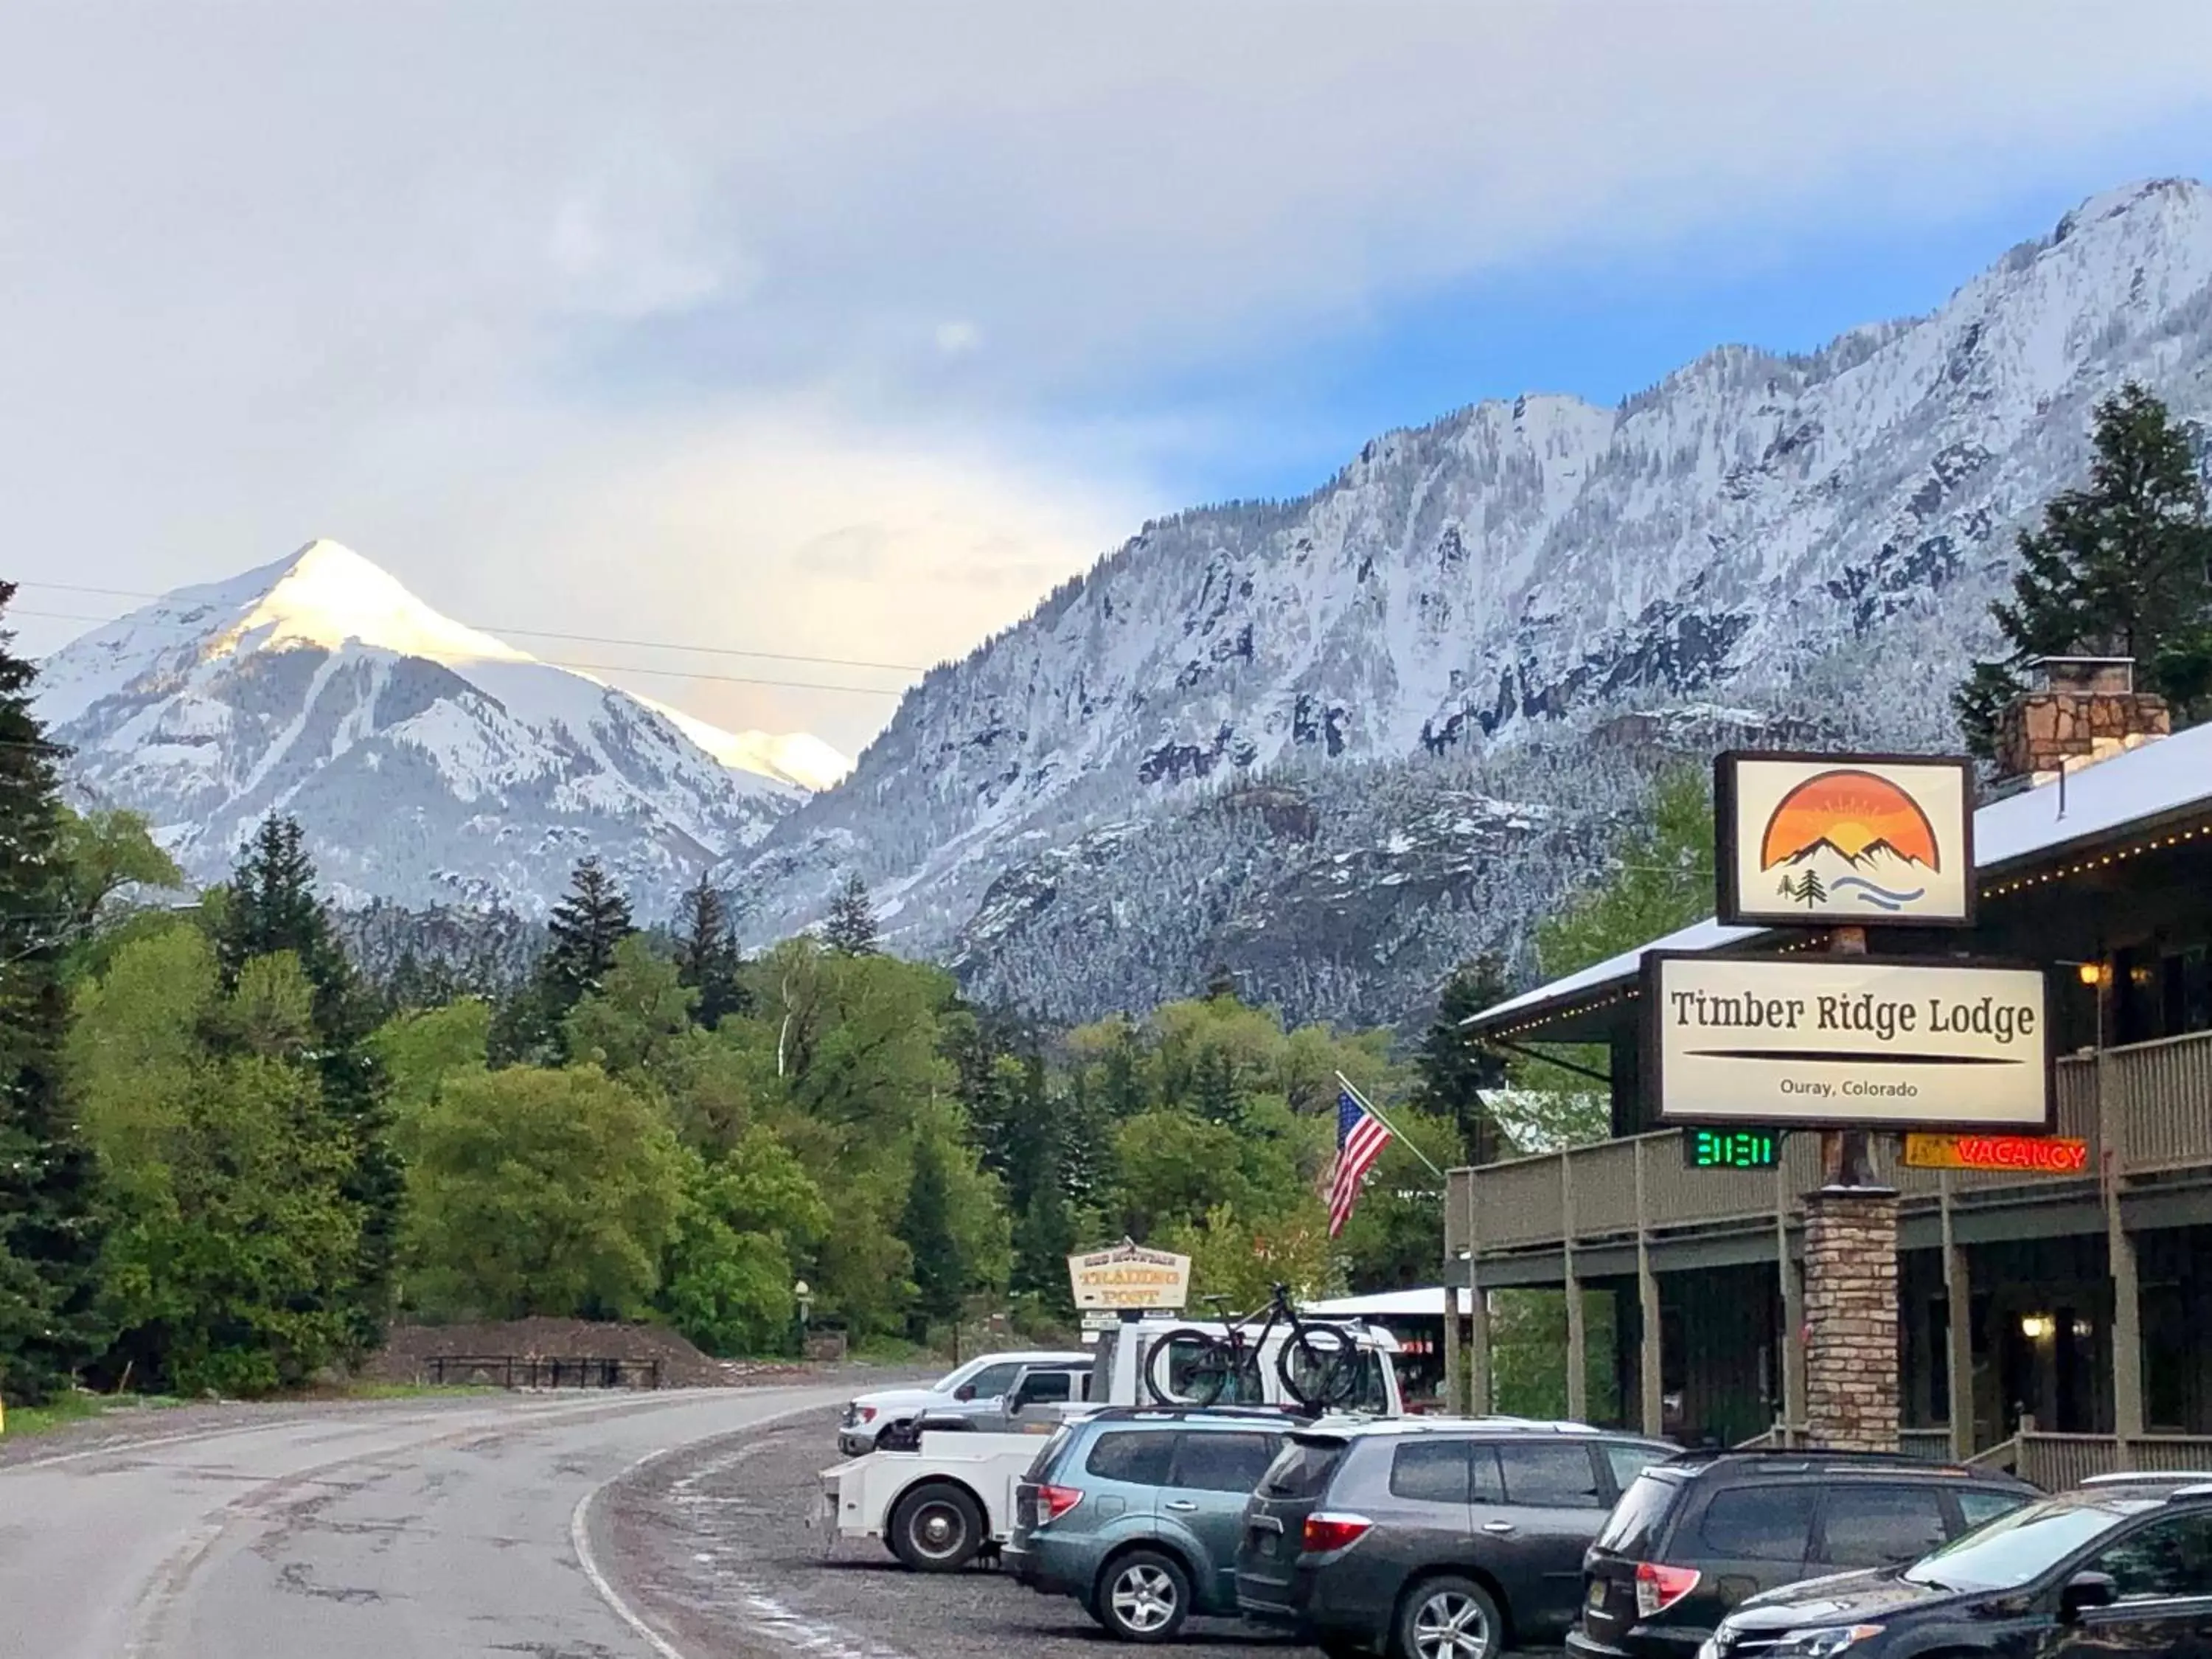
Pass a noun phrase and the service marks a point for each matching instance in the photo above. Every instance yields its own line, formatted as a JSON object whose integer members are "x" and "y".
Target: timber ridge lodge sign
{"x": 1128, "y": 1275}
{"x": 1857, "y": 840}
{"x": 1846, "y": 1041}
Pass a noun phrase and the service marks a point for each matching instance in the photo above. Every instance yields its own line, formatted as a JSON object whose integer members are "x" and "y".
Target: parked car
{"x": 1136, "y": 1513}
{"x": 1699, "y": 1534}
{"x": 970, "y": 1389}
{"x": 2119, "y": 1565}
{"x": 938, "y": 1493}
{"x": 1430, "y": 1538}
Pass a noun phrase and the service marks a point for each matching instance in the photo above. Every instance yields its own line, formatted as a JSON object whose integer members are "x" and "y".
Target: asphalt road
{"x": 417, "y": 1530}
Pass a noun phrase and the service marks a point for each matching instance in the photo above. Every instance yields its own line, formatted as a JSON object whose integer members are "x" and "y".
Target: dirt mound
{"x": 406, "y": 1356}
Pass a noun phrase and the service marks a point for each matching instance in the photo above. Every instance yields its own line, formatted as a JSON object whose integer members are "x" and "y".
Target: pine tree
{"x": 587, "y": 925}
{"x": 851, "y": 924}
{"x": 2122, "y": 568}
{"x": 940, "y": 1278}
{"x": 707, "y": 955}
{"x": 50, "y": 1238}
{"x": 271, "y": 906}
{"x": 1454, "y": 1071}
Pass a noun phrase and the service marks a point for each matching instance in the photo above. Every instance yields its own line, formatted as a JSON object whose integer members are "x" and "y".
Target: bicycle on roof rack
{"x": 1318, "y": 1362}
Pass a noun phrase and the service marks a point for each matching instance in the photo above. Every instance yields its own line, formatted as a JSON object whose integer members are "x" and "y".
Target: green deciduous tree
{"x": 537, "y": 1191}
{"x": 2122, "y": 568}
{"x": 750, "y": 1222}
{"x": 48, "y": 1220}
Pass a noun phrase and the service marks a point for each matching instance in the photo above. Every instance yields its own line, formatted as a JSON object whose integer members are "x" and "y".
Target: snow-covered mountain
{"x": 430, "y": 763}
{"x": 1813, "y": 538}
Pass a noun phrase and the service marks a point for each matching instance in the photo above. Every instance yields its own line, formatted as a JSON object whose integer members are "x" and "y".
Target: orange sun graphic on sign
{"x": 1854, "y": 812}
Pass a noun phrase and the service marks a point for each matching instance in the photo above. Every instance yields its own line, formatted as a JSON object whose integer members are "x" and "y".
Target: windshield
{"x": 2014, "y": 1548}
{"x": 953, "y": 1378}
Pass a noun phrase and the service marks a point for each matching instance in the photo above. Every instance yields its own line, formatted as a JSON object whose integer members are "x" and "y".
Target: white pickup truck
{"x": 940, "y": 1496}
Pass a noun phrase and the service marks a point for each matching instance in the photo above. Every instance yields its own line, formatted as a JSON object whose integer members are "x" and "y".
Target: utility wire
{"x": 528, "y": 633}
{"x": 600, "y": 667}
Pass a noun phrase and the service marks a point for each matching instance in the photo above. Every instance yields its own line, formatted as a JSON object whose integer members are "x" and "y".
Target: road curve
{"x": 430, "y": 1529}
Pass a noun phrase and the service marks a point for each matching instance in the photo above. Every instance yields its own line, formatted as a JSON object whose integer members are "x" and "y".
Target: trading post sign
{"x": 1860, "y": 840}
{"x": 1129, "y": 1276}
{"x": 1843, "y": 1041}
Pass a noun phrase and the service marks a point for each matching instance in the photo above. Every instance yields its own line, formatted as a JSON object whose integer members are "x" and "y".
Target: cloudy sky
{"x": 846, "y": 331}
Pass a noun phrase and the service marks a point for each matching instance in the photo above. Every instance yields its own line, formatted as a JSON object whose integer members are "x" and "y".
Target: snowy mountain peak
{"x": 429, "y": 761}
{"x": 327, "y": 594}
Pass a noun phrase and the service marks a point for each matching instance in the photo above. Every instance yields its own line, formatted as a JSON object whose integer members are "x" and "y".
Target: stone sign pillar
{"x": 1850, "y": 1309}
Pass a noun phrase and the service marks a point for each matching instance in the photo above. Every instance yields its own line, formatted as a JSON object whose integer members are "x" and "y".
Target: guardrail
{"x": 2158, "y": 1118}
{"x": 529, "y": 1371}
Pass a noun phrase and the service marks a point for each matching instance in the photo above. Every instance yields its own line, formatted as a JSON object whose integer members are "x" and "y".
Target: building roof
{"x": 2168, "y": 779}
{"x": 1427, "y": 1303}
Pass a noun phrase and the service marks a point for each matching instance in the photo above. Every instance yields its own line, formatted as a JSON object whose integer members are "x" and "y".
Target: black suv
{"x": 2119, "y": 1565}
{"x": 1431, "y": 1539}
{"x": 1698, "y": 1534}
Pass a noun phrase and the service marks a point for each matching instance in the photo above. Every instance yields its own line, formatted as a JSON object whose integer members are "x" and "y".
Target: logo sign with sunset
{"x": 1841, "y": 1041}
{"x": 1830, "y": 841}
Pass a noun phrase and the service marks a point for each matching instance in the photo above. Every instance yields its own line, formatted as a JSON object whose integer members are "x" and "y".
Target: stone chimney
{"x": 2076, "y": 712}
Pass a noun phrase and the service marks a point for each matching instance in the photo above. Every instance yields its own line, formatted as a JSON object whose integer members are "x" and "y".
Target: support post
{"x": 1653, "y": 1397}
{"x": 1455, "y": 1401}
{"x": 1793, "y": 1311}
{"x": 1958, "y": 1331}
{"x": 2127, "y": 1289}
{"x": 1478, "y": 1316}
{"x": 1577, "y": 1337}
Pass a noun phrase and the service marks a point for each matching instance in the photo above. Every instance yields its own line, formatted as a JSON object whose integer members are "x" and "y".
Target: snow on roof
{"x": 2167, "y": 776}
{"x": 1388, "y": 1304}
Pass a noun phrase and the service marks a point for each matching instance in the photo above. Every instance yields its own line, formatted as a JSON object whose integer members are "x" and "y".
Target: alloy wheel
{"x": 1451, "y": 1626}
{"x": 1144, "y": 1597}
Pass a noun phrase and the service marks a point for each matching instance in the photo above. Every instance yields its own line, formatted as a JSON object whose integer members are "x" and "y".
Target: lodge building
{"x": 2058, "y": 1321}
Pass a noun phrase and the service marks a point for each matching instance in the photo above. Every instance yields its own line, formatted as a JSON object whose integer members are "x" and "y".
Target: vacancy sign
{"x": 1844, "y": 1042}
{"x": 1129, "y": 1276}
{"x": 2054, "y": 1155}
{"x": 1832, "y": 841}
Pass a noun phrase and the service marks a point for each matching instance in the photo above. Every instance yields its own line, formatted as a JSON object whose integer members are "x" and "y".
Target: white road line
{"x": 579, "y": 1533}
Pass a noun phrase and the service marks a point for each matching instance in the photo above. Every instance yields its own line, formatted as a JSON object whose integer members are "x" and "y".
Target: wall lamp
{"x": 2036, "y": 1327}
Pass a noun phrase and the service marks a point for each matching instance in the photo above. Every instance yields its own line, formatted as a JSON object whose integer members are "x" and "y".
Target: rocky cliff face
{"x": 1812, "y": 539}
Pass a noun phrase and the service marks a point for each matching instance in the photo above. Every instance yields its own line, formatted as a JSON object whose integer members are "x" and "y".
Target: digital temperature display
{"x": 1731, "y": 1149}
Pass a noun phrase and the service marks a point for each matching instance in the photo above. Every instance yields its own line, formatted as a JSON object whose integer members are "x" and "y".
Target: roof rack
{"x": 1823, "y": 1455}
{"x": 2147, "y": 1478}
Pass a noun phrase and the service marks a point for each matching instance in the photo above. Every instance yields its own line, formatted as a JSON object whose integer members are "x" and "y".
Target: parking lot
{"x": 717, "y": 1544}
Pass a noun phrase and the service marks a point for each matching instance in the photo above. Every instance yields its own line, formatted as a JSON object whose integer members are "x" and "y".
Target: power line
{"x": 595, "y": 667}
{"x": 528, "y": 633}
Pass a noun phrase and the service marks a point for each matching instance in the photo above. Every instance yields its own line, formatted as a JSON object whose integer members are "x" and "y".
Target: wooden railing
{"x": 2158, "y": 1117}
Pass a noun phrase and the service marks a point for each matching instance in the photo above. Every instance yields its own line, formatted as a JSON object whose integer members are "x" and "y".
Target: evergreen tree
{"x": 587, "y": 925}
{"x": 708, "y": 959}
{"x": 940, "y": 1278}
{"x": 270, "y": 906}
{"x": 2122, "y": 568}
{"x": 1454, "y": 1070}
{"x": 50, "y": 1239}
{"x": 851, "y": 924}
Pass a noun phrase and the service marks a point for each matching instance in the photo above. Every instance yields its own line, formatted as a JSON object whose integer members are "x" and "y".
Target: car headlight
{"x": 1822, "y": 1642}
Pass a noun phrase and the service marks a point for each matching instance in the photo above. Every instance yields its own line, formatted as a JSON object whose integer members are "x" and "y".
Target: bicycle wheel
{"x": 1188, "y": 1368}
{"x": 1319, "y": 1365}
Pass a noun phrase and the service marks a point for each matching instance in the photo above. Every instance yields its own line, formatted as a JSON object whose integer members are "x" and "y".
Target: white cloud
{"x": 603, "y": 316}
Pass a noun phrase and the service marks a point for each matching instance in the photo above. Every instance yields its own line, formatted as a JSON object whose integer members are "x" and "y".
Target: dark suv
{"x": 2119, "y": 1565}
{"x": 1698, "y": 1534}
{"x": 1431, "y": 1539}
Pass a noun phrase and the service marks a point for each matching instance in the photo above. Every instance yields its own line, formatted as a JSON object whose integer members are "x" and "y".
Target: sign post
{"x": 1841, "y": 1041}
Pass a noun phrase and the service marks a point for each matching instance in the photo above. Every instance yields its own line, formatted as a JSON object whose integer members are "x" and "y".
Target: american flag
{"x": 1360, "y": 1139}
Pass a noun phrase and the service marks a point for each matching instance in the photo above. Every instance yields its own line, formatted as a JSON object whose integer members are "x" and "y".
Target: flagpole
{"x": 1368, "y": 1105}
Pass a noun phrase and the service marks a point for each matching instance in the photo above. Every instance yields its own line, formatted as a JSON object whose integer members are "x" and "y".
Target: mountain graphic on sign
{"x": 1849, "y": 837}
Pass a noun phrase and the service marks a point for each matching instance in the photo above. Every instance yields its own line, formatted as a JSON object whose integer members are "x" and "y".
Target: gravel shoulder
{"x": 712, "y": 1543}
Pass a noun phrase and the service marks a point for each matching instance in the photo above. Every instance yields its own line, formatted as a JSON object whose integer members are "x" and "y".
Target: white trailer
{"x": 937, "y": 1506}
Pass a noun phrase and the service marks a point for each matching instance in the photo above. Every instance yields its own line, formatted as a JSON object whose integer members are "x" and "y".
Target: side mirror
{"x": 2085, "y": 1590}
{"x": 965, "y": 1391}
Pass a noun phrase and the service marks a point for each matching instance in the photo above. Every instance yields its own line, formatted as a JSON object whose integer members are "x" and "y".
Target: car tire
{"x": 1142, "y": 1596}
{"x": 937, "y": 1528}
{"x": 1447, "y": 1617}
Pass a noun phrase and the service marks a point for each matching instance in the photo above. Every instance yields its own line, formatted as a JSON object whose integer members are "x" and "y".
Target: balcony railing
{"x": 2158, "y": 1117}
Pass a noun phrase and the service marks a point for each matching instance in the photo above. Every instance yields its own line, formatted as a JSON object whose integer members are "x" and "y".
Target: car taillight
{"x": 1658, "y": 1588}
{"x": 1052, "y": 1502}
{"x": 1324, "y": 1532}
{"x": 867, "y": 1413}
